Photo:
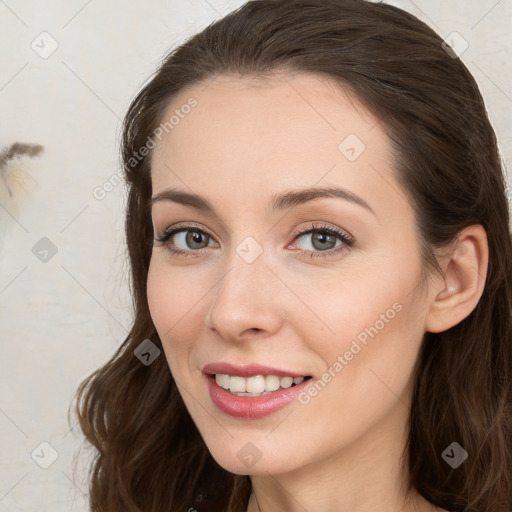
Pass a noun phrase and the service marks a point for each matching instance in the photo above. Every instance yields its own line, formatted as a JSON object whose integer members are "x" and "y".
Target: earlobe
{"x": 465, "y": 270}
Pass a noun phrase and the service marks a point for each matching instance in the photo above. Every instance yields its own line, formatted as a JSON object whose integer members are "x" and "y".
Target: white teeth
{"x": 255, "y": 386}
{"x": 237, "y": 384}
{"x": 222, "y": 380}
{"x": 286, "y": 382}
{"x": 272, "y": 383}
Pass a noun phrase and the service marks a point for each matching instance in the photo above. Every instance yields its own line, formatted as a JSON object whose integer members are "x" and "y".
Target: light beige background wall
{"x": 61, "y": 318}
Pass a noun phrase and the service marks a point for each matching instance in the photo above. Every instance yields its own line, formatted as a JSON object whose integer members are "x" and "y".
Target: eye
{"x": 186, "y": 240}
{"x": 322, "y": 239}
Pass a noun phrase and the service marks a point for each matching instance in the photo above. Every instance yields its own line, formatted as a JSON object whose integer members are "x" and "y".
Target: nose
{"x": 247, "y": 301}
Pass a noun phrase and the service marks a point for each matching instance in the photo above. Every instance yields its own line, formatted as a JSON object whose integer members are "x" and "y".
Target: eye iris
{"x": 322, "y": 238}
{"x": 194, "y": 237}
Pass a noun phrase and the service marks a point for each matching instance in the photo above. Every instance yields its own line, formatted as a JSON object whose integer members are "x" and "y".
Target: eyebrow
{"x": 280, "y": 201}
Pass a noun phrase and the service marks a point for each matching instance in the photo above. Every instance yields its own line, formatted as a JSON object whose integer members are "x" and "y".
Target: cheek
{"x": 364, "y": 304}
{"x": 162, "y": 300}
{"x": 171, "y": 304}
{"x": 378, "y": 327}
{"x": 369, "y": 338}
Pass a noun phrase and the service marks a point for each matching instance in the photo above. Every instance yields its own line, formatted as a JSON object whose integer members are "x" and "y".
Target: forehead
{"x": 268, "y": 134}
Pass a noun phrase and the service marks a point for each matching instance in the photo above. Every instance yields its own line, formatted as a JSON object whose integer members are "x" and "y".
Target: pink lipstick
{"x": 266, "y": 402}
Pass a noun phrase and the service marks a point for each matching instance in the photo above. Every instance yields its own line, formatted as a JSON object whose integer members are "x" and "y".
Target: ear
{"x": 456, "y": 294}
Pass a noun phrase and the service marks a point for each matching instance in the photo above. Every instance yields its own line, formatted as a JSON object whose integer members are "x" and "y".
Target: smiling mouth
{"x": 258, "y": 385}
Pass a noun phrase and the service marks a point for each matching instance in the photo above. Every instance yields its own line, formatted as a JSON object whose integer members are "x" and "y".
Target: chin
{"x": 249, "y": 459}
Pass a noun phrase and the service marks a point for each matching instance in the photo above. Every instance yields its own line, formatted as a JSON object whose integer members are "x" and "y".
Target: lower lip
{"x": 253, "y": 406}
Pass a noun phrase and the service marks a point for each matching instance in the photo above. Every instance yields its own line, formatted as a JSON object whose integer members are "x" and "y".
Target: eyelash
{"x": 347, "y": 241}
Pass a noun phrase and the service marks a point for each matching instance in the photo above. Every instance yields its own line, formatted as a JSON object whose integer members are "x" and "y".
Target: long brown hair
{"x": 150, "y": 456}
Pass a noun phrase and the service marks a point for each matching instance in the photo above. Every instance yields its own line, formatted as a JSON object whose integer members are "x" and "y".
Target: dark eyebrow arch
{"x": 280, "y": 201}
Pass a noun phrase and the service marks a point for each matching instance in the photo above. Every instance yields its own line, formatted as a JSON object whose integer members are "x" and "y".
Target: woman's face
{"x": 346, "y": 307}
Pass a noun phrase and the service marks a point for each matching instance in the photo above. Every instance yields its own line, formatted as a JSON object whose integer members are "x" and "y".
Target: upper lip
{"x": 249, "y": 370}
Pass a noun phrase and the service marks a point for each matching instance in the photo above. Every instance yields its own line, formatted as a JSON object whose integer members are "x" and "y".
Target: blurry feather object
{"x": 15, "y": 181}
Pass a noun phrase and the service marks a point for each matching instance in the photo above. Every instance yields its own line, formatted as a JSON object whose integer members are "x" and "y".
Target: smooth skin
{"x": 247, "y": 140}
